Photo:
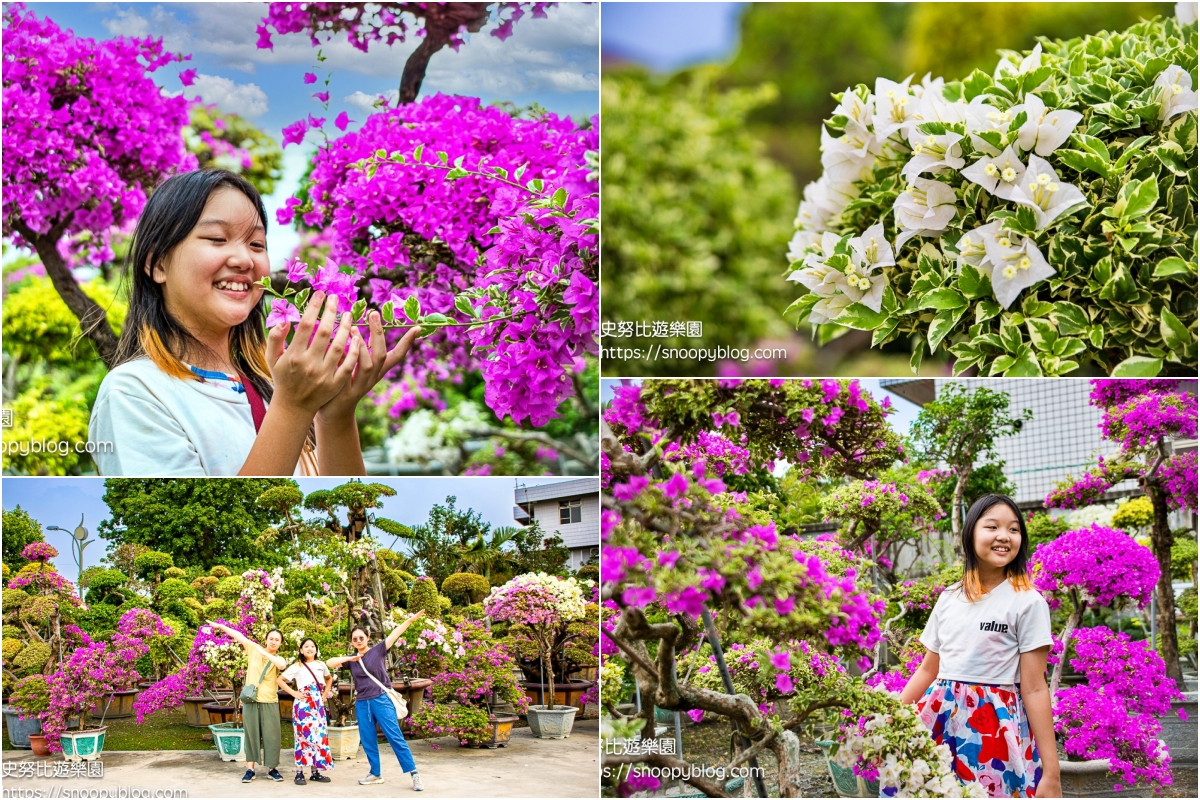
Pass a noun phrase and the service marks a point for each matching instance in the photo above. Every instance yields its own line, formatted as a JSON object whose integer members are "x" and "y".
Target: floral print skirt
{"x": 312, "y": 740}
{"x": 987, "y": 731}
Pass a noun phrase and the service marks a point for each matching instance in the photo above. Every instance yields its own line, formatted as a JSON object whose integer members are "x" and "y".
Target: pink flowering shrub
{"x": 194, "y": 677}
{"x": 87, "y": 132}
{"x": 1087, "y": 490}
{"x": 1179, "y": 480}
{"x": 1109, "y": 392}
{"x": 1141, "y": 420}
{"x": 41, "y": 552}
{"x": 1094, "y": 724}
{"x": 1101, "y": 564}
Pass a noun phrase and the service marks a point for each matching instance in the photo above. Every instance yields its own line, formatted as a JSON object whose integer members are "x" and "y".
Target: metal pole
{"x": 1153, "y": 623}
{"x": 714, "y": 642}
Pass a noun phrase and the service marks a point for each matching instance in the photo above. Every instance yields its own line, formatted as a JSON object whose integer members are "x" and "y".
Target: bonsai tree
{"x": 465, "y": 586}
{"x": 38, "y": 606}
{"x": 94, "y": 670}
{"x": 31, "y": 696}
{"x": 1142, "y": 417}
{"x": 573, "y": 644}
{"x": 1093, "y": 567}
{"x": 541, "y": 603}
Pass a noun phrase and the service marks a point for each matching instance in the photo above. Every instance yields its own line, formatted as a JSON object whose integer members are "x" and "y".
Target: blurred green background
{"x": 702, "y": 167}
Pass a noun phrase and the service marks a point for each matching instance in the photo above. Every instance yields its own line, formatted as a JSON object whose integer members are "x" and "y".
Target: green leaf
{"x": 1096, "y": 336}
{"x": 942, "y": 324}
{"x": 1017, "y": 121}
{"x": 443, "y": 156}
{"x": 381, "y": 153}
{"x": 1132, "y": 149}
{"x": 1025, "y": 366}
{"x": 1042, "y": 334}
{"x": 463, "y": 304}
{"x": 1070, "y": 318}
{"x": 1171, "y": 156}
{"x": 301, "y": 299}
{"x": 356, "y": 310}
{"x": 884, "y": 333}
{"x": 1035, "y": 78}
{"x": 1174, "y": 333}
{"x": 860, "y": 317}
{"x": 1080, "y": 161}
{"x": 435, "y": 319}
{"x": 1120, "y": 287}
{"x": 520, "y": 171}
{"x": 1032, "y": 307}
{"x": 977, "y": 83}
{"x": 918, "y": 356}
{"x": 456, "y": 173}
{"x": 932, "y": 128}
{"x": 1001, "y": 364}
{"x": 412, "y": 308}
{"x": 1172, "y": 267}
{"x": 1067, "y": 347}
{"x": 458, "y": 162}
{"x": 985, "y": 310}
{"x": 388, "y": 312}
{"x": 1140, "y": 197}
{"x": 803, "y": 304}
{"x": 943, "y": 299}
{"x": 1095, "y": 145}
{"x": 500, "y": 172}
{"x": 417, "y": 153}
{"x": 929, "y": 259}
{"x": 1138, "y": 367}
{"x": 974, "y": 283}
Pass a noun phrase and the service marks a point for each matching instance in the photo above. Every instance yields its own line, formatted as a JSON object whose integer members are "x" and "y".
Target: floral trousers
{"x": 987, "y": 731}
{"x": 312, "y": 740}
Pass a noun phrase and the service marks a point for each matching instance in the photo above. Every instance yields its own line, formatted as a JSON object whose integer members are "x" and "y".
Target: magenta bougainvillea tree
{"x": 678, "y": 542}
{"x": 87, "y": 134}
{"x": 477, "y": 225}
{"x": 437, "y": 25}
{"x": 1142, "y": 418}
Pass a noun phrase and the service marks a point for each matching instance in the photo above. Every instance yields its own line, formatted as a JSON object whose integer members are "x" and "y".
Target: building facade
{"x": 570, "y": 509}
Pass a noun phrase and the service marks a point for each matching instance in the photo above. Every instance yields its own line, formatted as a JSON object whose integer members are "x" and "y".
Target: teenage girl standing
{"x": 198, "y": 388}
{"x": 981, "y": 688}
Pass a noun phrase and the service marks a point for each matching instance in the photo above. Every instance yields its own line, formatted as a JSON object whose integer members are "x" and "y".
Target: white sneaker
{"x": 370, "y": 779}
{"x": 417, "y": 787}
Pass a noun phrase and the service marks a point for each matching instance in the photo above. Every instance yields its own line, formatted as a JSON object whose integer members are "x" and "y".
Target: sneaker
{"x": 370, "y": 779}
{"x": 300, "y": 779}
{"x": 317, "y": 777}
{"x": 417, "y": 787}
{"x": 249, "y": 776}
{"x": 274, "y": 775}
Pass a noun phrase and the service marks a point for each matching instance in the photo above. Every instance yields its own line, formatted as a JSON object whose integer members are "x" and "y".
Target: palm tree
{"x": 485, "y": 553}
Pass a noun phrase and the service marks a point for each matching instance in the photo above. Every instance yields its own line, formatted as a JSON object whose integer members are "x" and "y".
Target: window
{"x": 570, "y": 511}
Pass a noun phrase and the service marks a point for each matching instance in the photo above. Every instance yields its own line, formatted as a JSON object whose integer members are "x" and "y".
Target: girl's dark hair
{"x": 172, "y": 211}
{"x": 300, "y": 659}
{"x": 1017, "y": 570}
{"x": 366, "y": 632}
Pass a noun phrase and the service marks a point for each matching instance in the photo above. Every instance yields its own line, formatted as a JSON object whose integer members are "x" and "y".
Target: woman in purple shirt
{"x": 372, "y": 705}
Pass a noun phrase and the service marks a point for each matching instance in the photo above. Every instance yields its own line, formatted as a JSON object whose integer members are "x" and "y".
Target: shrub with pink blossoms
{"x": 1101, "y": 564}
{"x": 41, "y": 552}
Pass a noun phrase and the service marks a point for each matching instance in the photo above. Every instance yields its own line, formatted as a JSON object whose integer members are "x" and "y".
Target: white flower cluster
{"x": 568, "y": 592}
{"x": 906, "y": 757}
{"x": 432, "y": 636}
{"x": 884, "y": 129}
{"x": 428, "y": 437}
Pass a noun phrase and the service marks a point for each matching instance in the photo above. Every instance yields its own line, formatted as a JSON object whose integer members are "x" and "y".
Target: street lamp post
{"x": 79, "y": 542}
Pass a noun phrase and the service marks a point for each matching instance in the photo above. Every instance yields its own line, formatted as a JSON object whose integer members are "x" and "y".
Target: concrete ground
{"x": 527, "y": 767}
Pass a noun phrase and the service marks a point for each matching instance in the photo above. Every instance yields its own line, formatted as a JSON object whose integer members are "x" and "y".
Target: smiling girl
{"x": 198, "y": 388}
{"x": 981, "y": 688}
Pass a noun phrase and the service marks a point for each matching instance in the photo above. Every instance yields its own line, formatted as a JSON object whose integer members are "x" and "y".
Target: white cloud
{"x": 244, "y": 99}
{"x": 565, "y": 80}
{"x": 366, "y": 102}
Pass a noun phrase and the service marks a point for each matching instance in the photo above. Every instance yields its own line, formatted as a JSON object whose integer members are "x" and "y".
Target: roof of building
{"x": 557, "y": 491}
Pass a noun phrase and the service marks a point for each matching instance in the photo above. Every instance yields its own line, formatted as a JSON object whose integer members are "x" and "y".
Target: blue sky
{"x": 61, "y": 501}
{"x": 669, "y": 36}
{"x": 901, "y": 421}
{"x": 553, "y": 61}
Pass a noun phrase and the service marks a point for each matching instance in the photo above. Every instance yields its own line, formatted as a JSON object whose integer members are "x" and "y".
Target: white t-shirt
{"x": 982, "y": 642}
{"x": 297, "y": 672}
{"x": 162, "y": 426}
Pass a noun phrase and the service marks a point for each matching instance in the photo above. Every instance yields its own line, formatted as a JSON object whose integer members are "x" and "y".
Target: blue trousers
{"x": 381, "y": 710}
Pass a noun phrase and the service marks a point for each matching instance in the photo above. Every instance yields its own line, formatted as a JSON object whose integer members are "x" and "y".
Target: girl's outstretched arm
{"x": 1036, "y": 696}
{"x": 338, "y": 449}
{"x": 925, "y": 675}
{"x": 306, "y": 374}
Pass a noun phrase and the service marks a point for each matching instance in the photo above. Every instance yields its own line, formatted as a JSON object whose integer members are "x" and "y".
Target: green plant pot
{"x": 664, "y": 716}
{"x": 845, "y": 782}
{"x": 230, "y": 741}
{"x": 83, "y": 745}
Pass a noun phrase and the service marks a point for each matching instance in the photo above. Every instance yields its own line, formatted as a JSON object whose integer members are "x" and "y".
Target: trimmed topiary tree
{"x": 466, "y": 588}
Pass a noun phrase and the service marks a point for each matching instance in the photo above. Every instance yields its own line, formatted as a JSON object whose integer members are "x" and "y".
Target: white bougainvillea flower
{"x": 1045, "y": 130}
{"x": 1049, "y": 197}
{"x": 872, "y": 250}
{"x": 932, "y": 153}
{"x": 935, "y": 107}
{"x": 823, "y": 199}
{"x": 1028, "y": 64}
{"x": 1185, "y": 13}
{"x": 973, "y": 251}
{"x": 924, "y": 208}
{"x": 1001, "y": 175}
{"x": 928, "y": 83}
{"x": 1017, "y": 264}
{"x": 983, "y": 116}
{"x": 801, "y": 243}
{"x": 1175, "y": 91}
{"x": 854, "y": 108}
{"x": 851, "y": 156}
{"x": 864, "y": 288}
{"x": 828, "y": 309}
{"x": 895, "y": 107}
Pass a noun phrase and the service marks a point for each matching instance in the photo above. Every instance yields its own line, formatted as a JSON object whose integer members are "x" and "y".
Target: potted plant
{"x": 88, "y": 677}
{"x": 542, "y": 603}
{"x": 342, "y": 729}
{"x": 30, "y": 697}
{"x": 572, "y": 659}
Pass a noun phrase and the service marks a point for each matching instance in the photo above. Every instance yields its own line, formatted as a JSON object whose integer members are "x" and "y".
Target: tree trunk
{"x": 92, "y": 319}
{"x": 549, "y": 667}
{"x": 956, "y": 511}
{"x": 1072, "y": 623}
{"x": 1160, "y": 540}
{"x": 441, "y": 23}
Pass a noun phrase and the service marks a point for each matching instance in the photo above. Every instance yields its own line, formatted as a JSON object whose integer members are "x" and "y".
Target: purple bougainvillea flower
{"x": 310, "y": 77}
{"x": 282, "y": 313}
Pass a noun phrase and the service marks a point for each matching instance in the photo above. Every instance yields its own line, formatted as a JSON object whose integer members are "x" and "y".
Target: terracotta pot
{"x": 569, "y": 693}
{"x": 37, "y": 743}
{"x": 193, "y": 708}
{"x": 285, "y": 706}
{"x": 219, "y": 713}
{"x": 119, "y": 707}
{"x": 499, "y": 730}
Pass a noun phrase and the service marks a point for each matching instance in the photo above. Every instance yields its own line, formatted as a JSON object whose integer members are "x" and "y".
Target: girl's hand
{"x": 311, "y": 370}
{"x": 1049, "y": 786}
{"x": 374, "y": 360}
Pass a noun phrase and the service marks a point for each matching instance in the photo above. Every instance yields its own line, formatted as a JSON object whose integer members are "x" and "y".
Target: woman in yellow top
{"x": 261, "y": 717}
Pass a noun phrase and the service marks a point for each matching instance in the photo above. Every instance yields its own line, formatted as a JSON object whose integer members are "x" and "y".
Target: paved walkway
{"x": 527, "y": 767}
